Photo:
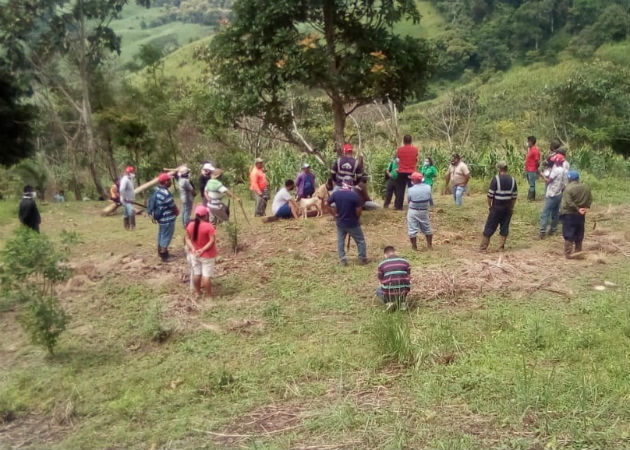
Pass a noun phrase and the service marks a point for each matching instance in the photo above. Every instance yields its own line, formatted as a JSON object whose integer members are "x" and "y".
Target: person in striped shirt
{"x": 394, "y": 273}
{"x": 501, "y": 199}
{"x": 166, "y": 214}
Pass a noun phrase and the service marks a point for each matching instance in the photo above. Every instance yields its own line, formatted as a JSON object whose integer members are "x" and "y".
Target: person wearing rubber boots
{"x": 576, "y": 202}
{"x": 166, "y": 215}
{"x": 128, "y": 197}
{"x": 419, "y": 198}
{"x": 502, "y": 195}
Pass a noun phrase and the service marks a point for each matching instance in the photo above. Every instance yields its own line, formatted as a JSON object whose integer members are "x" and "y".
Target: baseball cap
{"x": 501, "y": 165}
{"x": 258, "y": 160}
{"x": 347, "y": 147}
{"x": 129, "y": 169}
{"x": 163, "y": 178}
{"x": 207, "y": 166}
{"x": 201, "y": 211}
{"x": 416, "y": 176}
{"x": 559, "y": 157}
{"x": 573, "y": 175}
{"x": 306, "y": 166}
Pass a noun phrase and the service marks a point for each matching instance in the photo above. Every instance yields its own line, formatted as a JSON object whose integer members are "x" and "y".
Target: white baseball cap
{"x": 207, "y": 166}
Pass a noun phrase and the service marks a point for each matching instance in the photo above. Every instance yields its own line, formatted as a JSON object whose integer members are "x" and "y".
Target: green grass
{"x": 301, "y": 354}
{"x": 431, "y": 24}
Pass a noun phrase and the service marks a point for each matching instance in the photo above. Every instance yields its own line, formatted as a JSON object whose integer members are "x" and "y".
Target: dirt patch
{"x": 268, "y": 420}
{"x": 33, "y": 430}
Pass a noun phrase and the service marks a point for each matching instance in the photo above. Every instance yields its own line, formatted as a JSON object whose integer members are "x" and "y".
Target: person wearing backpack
{"x": 305, "y": 182}
{"x": 164, "y": 212}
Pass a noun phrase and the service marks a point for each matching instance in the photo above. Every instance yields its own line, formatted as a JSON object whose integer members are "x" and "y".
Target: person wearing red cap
{"x": 165, "y": 214}
{"x": 407, "y": 162}
{"x": 419, "y": 197}
{"x": 127, "y": 197}
{"x": 555, "y": 179}
{"x": 201, "y": 243}
{"x": 346, "y": 166}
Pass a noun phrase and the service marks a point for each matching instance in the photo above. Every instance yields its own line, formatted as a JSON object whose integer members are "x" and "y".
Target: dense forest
{"x": 483, "y": 76}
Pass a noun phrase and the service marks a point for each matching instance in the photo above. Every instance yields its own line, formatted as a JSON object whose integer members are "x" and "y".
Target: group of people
{"x": 566, "y": 199}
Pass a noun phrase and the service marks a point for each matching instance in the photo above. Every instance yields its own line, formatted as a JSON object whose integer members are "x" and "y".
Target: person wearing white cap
{"x": 214, "y": 193}
{"x": 258, "y": 185}
{"x": 305, "y": 182}
{"x": 186, "y": 193}
{"x": 206, "y": 172}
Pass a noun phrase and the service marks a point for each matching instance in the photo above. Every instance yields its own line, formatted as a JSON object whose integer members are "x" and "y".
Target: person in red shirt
{"x": 258, "y": 185}
{"x": 407, "y": 162}
{"x": 532, "y": 162}
{"x": 202, "y": 250}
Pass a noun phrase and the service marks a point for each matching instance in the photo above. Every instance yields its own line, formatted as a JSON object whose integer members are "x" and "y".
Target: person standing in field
{"x": 457, "y": 177}
{"x": 394, "y": 274}
{"x": 186, "y": 194}
{"x": 305, "y": 182}
{"x": 258, "y": 185}
{"x": 576, "y": 203}
{"x": 502, "y": 195}
{"x": 128, "y": 197}
{"x": 346, "y": 166}
{"x": 165, "y": 215}
{"x": 215, "y": 191}
{"x": 204, "y": 177}
{"x": 556, "y": 180}
{"x": 407, "y": 161}
{"x": 429, "y": 172}
{"x": 346, "y": 206}
{"x": 28, "y": 212}
{"x": 419, "y": 197}
{"x": 532, "y": 163}
{"x": 201, "y": 243}
{"x": 391, "y": 173}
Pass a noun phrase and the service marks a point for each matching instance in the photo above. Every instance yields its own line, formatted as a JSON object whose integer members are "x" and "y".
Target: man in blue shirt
{"x": 166, "y": 213}
{"x": 419, "y": 196}
{"x": 347, "y": 208}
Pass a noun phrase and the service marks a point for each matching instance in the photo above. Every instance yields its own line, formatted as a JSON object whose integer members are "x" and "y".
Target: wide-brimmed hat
{"x": 258, "y": 160}
{"x": 183, "y": 170}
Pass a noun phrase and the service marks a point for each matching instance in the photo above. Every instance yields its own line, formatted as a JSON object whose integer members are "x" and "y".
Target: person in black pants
{"x": 29, "y": 214}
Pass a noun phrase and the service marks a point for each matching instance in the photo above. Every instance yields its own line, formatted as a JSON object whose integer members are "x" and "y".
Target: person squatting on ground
{"x": 204, "y": 177}
{"x": 429, "y": 172}
{"x": 186, "y": 194}
{"x": 28, "y": 212}
{"x": 391, "y": 173}
{"x": 502, "y": 195}
{"x": 284, "y": 206}
{"x": 258, "y": 185}
{"x": 556, "y": 181}
{"x": 394, "y": 274}
{"x": 128, "y": 197}
{"x": 165, "y": 214}
{"x": 305, "y": 182}
{"x": 346, "y": 206}
{"x": 457, "y": 176}
{"x": 575, "y": 205}
{"x": 407, "y": 161}
{"x": 346, "y": 166}
{"x": 532, "y": 163}
{"x": 214, "y": 193}
{"x": 201, "y": 244}
{"x": 419, "y": 197}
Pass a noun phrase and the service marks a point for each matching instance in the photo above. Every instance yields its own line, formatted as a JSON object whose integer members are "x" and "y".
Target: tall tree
{"x": 61, "y": 43}
{"x": 345, "y": 49}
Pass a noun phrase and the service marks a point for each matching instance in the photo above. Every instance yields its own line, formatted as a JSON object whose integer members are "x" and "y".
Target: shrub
{"x": 392, "y": 337}
{"x": 44, "y": 320}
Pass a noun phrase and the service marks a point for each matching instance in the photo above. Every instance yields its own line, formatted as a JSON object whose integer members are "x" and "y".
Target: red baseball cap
{"x": 129, "y": 169}
{"x": 201, "y": 211}
{"x": 347, "y": 148}
{"x": 163, "y": 178}
{"x": 416, "y": 176}
{"x": 559, "y": 157}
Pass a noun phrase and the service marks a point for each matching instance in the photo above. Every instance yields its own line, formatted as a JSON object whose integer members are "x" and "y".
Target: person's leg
{"x": 195, "y": 265}
{"x": 257, "y": 205}
{"x": 341, "y": 237}
{"x": 401, "y": 185}
{"x": 531, "y": 179}
{"x": 458, "y": 191}
{"x": 544, "y": 216}
{"x": 569, "y": 233}
{"x": 504, "y": 222}
{"x": 370, "y": 206}
{"x": 579, "y": 232}
{"x": 186, "y": 208}
{"x": 390, "y": 187}
{"x": 412, "y": 227}
{"x": 380, "y": 294}
{"x": 555, "y": 214}
{"x": 294, "y": 208}
{"x": 359, "y": 239}
{"x": 424, "y": 222}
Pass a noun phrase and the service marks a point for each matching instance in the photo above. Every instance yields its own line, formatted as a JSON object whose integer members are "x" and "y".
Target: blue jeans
{"x": 128, "y": 210}
{"x": 186, "y": 210}
{"x": 357, "y": 235}
{"x": 531, "y": 179}
{"x": 551, "y": 211}
{"x": 165, "y": 233}
{"x": 458, "y": 194}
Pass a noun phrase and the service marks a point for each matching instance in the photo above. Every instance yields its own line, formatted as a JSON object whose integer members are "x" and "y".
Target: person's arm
{"x": 359, "y": 210}
{"x": 380, "y": 273}
{"x": 189, "y": 243}
{"x": 492, "y": 189}
{"x": 234, "y": 196}
{"x": 514, "y": 196}
{"x": 447, "y": 180}
{"x": 467, "y": 178}
{"x": 206, "y": 247}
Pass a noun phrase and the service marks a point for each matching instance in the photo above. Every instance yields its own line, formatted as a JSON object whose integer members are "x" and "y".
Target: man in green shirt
{"x": 391, "y": 174}
{"x": 429, "y": 172}
{"x": 575, "y": 204}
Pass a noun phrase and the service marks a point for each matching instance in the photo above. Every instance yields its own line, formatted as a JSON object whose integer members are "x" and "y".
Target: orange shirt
{"x": 257, "y": 180}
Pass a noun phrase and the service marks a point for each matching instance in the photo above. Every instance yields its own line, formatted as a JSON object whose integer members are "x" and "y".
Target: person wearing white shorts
{"x": 202, "y": 251}
{"x": 203, "y": 267}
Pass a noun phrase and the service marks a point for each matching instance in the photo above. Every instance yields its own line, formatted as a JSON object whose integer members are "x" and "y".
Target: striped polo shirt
{"x": 395, "y": 276}
{"x": 502, "y": 190}
{"x": 165, "y": 205}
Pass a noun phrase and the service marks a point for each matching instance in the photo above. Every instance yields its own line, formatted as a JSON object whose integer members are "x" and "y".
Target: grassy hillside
{"x": 499, "y": 351}
{"x": 431, "y": 24}
{"x": 133, "y": 36}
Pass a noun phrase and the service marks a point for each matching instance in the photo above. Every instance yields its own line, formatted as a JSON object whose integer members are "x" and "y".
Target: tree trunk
{"x": 339, "y": 115}
{"x": 339, "y": 112}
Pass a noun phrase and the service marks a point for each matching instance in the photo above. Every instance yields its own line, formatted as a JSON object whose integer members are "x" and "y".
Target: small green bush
{"x": 44, "y": 320}
{"x": 392, "y": 337}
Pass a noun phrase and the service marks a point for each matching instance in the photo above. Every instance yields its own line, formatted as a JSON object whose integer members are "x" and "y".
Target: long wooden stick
{"x": 244, "y": 214}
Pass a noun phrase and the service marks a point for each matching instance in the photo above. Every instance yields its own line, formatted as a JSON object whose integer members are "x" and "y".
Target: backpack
{"x": 152, "y": 207}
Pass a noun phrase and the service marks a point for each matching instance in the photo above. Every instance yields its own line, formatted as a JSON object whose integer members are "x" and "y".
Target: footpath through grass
{"x": 294, "y": 352}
